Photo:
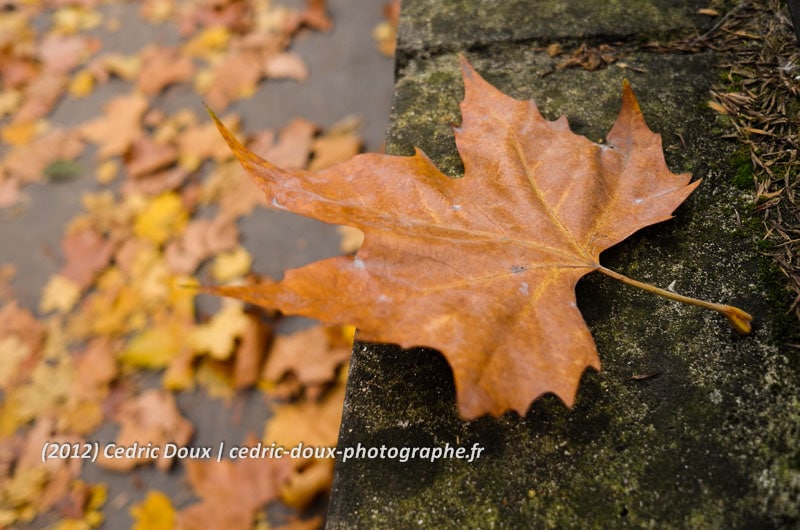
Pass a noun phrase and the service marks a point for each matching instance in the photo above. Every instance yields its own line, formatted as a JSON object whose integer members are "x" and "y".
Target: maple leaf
{"x": 231, "y": 490}
{"x": 482, "y": 268}
{"x": 155, "y": 512}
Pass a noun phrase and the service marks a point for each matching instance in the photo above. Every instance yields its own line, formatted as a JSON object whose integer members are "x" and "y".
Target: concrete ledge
{"x": 708, "y": 440}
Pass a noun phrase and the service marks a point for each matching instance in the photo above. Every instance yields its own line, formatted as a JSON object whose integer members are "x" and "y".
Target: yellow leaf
{"x": 155, "y": 512}
{"x": 60, "y": 294}
{"x": 71, "y": 20}
{"x": 123, "y": 66}
{"x": 203, "y": 80}
{"x": 162, "y": 218}
{"x": 154, "y": 282}
{"x": 12, "y": 352}
{"x": 218, "y": 335}
{"x": 182, "y": 290}
{"x": 22, "y": 133}
{"x": 152, "y": 348}
{"x": 9, "y": 101}
{"x": 208, "y": 43}
{"x": 107, "y": 171}
{"x": 82, "y": 84}
{"x": 215, "y": 379}
{"x": 231, "y": 265}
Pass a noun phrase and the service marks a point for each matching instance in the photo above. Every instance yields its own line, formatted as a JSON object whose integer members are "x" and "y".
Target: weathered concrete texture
{"x": 711, "y": 439}
{"x": 436, "y": 27}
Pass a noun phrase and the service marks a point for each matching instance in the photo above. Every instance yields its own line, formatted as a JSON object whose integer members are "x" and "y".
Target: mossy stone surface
{"x": 687, "y": 425}
{"x": 437, "y": 27}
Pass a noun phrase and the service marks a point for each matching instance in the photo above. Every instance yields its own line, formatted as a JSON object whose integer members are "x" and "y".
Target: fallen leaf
{"x": 155, "y": 512}
{"x": 161, "y": 67}
{"x": 250, "y": 353}
{"x": 231, "y": 490}
{"x": 29, "y": 162}
{"x": 150, "y": 419}
{"x": 217, "y": 337}
{"x": 61, "y": 54}
{"x": 590, "y": 58}
{"x": 294, "y": 144}
{"x": 235, "y": 77}
{"x": 385, "y": 33}
{"x": 119, "y": 127}
{"x": 13, "y": 351}
{"x": 86, "y": 253}
{"x": 286, "y": 65}
{"x": 336, "y": 146}
{"x": 81, "y": 84}
{"x": 147, "y": 156}
{"x": 40, "y": 96}
{"x": 60, "y": 294}
{"x": 230, "y": 265}
{"x": 352, "y": 239}
{"x": 482, "y": 268}
{"x": 126, "y": 67}
{"x": 311, "y": 355}
{"x": 201, "y": 142}
{"x": 314, "y": 424}
{"x": 163, "y": 218}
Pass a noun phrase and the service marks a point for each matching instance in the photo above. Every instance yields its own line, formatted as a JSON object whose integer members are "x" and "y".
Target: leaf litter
{"x": 119, "y": 303}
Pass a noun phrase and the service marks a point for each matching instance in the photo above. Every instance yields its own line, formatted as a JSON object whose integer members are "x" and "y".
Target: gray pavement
{"x": 347, "y": 77}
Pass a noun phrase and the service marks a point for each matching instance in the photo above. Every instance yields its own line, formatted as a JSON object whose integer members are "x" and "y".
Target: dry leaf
{"x": 161, "y": 67}
{"x": 152, "y": 418}
{"x": 231, "y": 265}
{"x": 163, "y": 218}
{"x": 352, "y": 239}
{"x": 60, "y": 294}
{"x": 235, "y": 77}
{"x": 217, "y": 337}
{"x": 312, "y": 355}
{"x": 146, "y": 156}
{"x": 86, "y": 253}
{"x": 286, "y": 65}
{"x": 231, "y": 491}
{"x": 250, "y": 353}
{"x": 314, "y": 424}
{"x": 155, "y": 512}
{"x": 28, "y": 162}
{"x": 482, "y": 268}
{"x": 119, "y": 127}
{"x": 294, "y": 144}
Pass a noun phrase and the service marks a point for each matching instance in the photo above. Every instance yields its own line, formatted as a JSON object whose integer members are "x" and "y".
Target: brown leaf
{"x": 231, "y": 490}
{"x": 482, "y": 268}
{"x": 151, "y": 418}
{"x": 86, "y": 253}
{"x": 294, "y": 144}
{"x": 314, "y": 424}
{"x": 250, "y": 353}
{"x": 147, "y": 156}
{"x": 62, "y": 53}
{"x": 312, "y": 355}
{"x": 161, "y": 67}
{"x": 28, "y": 162}
{"x": 286, "y": 66}
{"x": 119, "y": 127}
{"x": 41, "y": 95}
{"x": 235, "y": 77}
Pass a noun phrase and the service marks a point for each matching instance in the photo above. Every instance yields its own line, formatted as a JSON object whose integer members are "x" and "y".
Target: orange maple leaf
{"x": 482, "y": 268}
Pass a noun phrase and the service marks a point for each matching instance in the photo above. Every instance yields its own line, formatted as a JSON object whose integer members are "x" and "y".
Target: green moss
{"x": 743, "y": 176}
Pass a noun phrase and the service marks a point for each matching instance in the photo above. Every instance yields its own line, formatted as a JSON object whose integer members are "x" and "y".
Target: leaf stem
{"x": 740, "y": 320}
